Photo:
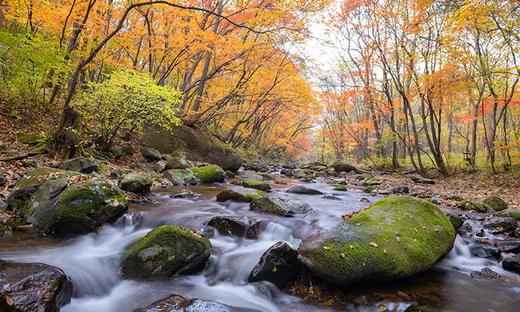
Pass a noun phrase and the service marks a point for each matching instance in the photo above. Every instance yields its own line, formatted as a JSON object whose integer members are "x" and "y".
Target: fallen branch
{"x": 22, "y": 156}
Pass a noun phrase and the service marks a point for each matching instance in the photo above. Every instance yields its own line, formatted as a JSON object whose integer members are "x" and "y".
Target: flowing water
{"x": 92, "y": 262}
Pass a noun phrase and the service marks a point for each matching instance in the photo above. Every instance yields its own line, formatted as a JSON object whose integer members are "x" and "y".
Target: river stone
{"x": 239, "y": 195}
{"x": 499, "y": 225}
{"x": 496, "y": 203}
{"x": 165, "y": 251}
{"x": 80, "y": 164}
{"x": 473, "y": 205}
{"x": 237, "y": 226}
{"x": 256, "y": 184}
{"x": 209, "y": 173}
{"x": 33, "y": 181}
{"x": 279, "y": 206}
{"x": 58, "y": 209}
{"x": 176, "y": 303}
{"x": 197, "y": 144}
{"x": 33, "y": 287}
{"x": 278, "y": 265}
{"x": 394, "y": 238}
{"x": 136, "y": 182}
{"x": 151, "y": 154}
{"x": 342, "y": 166}
{"x": 177, "y": 160}
{"x": 510, "y": 212}
{"x": 301, "y": 189}
{"x": 180, "y": 176}
{"x": 511, "y": 262}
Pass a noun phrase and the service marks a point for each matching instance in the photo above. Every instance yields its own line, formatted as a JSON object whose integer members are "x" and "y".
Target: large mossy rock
{"x": 394, "y": 238}
{"x": 80, "y": 164}
{"x": 180, "y": 177}
{"x": 198, "y": 145}
{"x": 136, "y": 182}
{"x": 209, "y": 173}
{"x": 59, "y": 202}
{"x": 30, "y": 287}
{"x": 256, "y": 184}
{"x": 239, "y": 194}
{"x": 496, "y": 203}
{"x": 78, "y": 209}
{"x": 279, "y": 206}
{"x": 343, "y": 166}
{"x": 165, "y": 251}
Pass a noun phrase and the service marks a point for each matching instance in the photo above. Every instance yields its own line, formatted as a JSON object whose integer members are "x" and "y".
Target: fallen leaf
{"x": 326, "y": 247}
{"x": 372, "y": 244}
{"x": 342, "y": 255}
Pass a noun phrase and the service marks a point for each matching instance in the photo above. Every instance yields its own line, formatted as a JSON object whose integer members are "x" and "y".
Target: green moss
{"x": 30, "y": 139}
{"x": 258, "y": 193}
{"x": 341, "y": 188}
{"x": 495, "y": 203}
{"x": 209, "y": 173}
{"x": 369, "y": 189}
{"x": 474, "y": 205}
{"x": 256, "y": 184}
{"x": 396, "y": 237}
{"x": 510, "y": 212}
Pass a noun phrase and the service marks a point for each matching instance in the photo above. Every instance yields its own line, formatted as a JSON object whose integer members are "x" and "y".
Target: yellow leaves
{"x": 372, "y": 244}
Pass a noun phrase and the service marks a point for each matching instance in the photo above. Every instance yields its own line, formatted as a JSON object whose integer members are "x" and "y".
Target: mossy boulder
{"x": 136, "y": 182}
{"x": 496, "y": 203}
{"x": 33, "y": 181}
{"x": 510, "y": 212}
{"x": 341, "y": 188}
{"x": 180, "y": 177}
{"x": 256, "y": 184}
{"x": 473, "y": 205}
{"x": 343, "y": 166}
{"x": 166, "y": 251}
{"x": 209, "y": 173}
{"x": 239, "y": 195}
{"x": 80, "y": 164}
{"x": 151, "y": 154}
{"x": 58, "y": 209}
{"x": 177, "y": 160}
{"x": 279, "y": 206}
{"x": 394, "y": 238}
{"x": 302, "y": 189}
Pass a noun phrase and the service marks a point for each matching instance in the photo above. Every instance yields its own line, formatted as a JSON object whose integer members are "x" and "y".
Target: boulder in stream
{"x": 256, "y": 184}
{"x": 30, "y": 287}
{"x": 473, "y": 205}
{"x": 177, "y": 160}
{"x": 302, "y": 189}
{"x": 279, "y": 206}
{"x": 278, "y": 265}
{"x": 176, "y": 303}
{"x": 343, "y": 166}
{"x": 496, "y": 203}
{"x": 239, "y": 195}
{"x": 394, "y": 238}
{"x": 209, "y": 174}
{"x": 136, "y": 182}
{"x": 237, "y": 226}
{"x": 511, "y": 262}
{"x": 180, "y": 177}
{"x": 166, "y": 251}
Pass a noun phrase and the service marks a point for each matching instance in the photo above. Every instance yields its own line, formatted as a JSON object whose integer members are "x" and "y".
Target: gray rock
{"x": 342, "y": 166}
{"x": 177, "y": 160}
{"x": 279, "y": 206}
{"x": 136, "y": 182}
{"x": 496, "y": 203}
{"x": 151, "y": 154}
{"x": 176, "y": 303}
{"x": 180, "y": 177}
{"x": 511, "y": 262}
{"x": 401, "y": 190}
{"x": 301, "y": 189}
{"x": 80, "y": 164}
{"x": 237, "y": 226}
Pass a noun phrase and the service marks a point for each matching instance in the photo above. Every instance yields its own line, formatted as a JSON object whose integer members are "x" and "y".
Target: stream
{"x": 92, "y": 261}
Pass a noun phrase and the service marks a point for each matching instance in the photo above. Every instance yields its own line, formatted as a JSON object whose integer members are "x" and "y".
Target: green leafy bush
{"x": 126, "y": 101}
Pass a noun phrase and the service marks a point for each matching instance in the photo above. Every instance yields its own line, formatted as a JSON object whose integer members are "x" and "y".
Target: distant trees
{"x": 420, "y": 80}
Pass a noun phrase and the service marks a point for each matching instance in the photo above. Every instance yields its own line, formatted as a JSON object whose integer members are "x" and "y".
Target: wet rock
{"x": 176, "y": 303}
{"x": 197, "y": 144}
{"x": 180, "y": 177}
{"x": 257, "y": 168}
{"x": 499, "y": 225}
{"x": 185, "y": 194}
{"x": 394, "y": 238}
{"x": 80, "y": 164}
{"x": 301, "y": 189}
{"x": 401, "y": 190}
{"x": 511, "y": 262}
{"x": 510, "y": 212}
{"x": 485, "y": 273}
{"x": 136, "y": 182}
{"x": 177, "y": 160}
{"x": 473, "y": 205}
{"x": 493, "y": 248}
{"x": 340, "y": 188}
{"x": 236, "y": 226}
{"x": 342, "y": 166}
{"x": 151, "y": 154}
{"x": 496, "y": 203}
{"x": 455, "y": 219}
{"x": 287, "y": 172}
{"x": 7, "y": 222}
{"x": 421, "y": 180}
{"x": 279, "y": 206}
{"x": 30, "y": 287}
{"x": 209, "y": 173}
{"x": 331, "y": 197}
{"x": 435, "y": 200}
{"x": 364, "y": 200}
{"x": 159, "y": 166}
{"x": 165, "y": 251}
{"x": 278, "y": 265}
{"x": 3, "y": 205}
{"x": 256, "y": 184}
{"x": 60, "y": 209}
{"x": 239, "y": 195}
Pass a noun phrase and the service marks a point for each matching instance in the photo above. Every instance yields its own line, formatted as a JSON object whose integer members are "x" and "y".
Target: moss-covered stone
{"x": 32, "y": 182}
{"x": 394, "y": 238}
{"x": 473, "y": 205}
{"x": 256, "y": 184}
{"x": 180, "y": 176}
{"x": 76, "y": 209}
{"x": 80, "y": 164}
{"x": 239, "y": 195}
{"x": 279, "y": 206}
{"x": 510, "y": 212}
{"x": 177, "y": 160}
{"x": 136, "y": 182}
{"x": 341, "y": 188}
{"x": 165, "y": 251}
{"x": 209, "y": 173}
{"x": 496, "y": 203}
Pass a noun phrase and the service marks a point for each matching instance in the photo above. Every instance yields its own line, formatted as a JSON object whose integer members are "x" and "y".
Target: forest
{"x": 259, "y": 155}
